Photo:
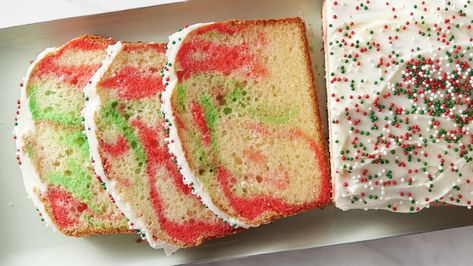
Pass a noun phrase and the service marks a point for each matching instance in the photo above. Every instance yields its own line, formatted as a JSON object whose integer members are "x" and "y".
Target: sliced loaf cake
{"x": 124, "y": 127}
{"x": 243, "y": 121}
{"x": 52, "y": 149}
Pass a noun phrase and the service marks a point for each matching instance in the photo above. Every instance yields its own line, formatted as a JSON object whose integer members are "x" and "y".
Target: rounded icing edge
{"x": 91, "y": 107}
{"x": 173, "y": 142}
{"x": 25, "y": 125}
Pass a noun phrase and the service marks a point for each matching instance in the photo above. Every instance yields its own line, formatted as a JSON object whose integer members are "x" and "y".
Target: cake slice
{"x": 400, "y": 87}
{"x": 124, "y": 128}
{"x": 52, "y": 148}
{"x": 243, "y": 120}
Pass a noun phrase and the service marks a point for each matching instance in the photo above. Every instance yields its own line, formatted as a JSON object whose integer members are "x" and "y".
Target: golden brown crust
{"x": 145, "y": 45}
{"x": 322, "y": 138}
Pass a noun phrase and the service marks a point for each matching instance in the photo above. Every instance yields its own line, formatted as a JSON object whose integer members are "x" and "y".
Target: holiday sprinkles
{"x": 400, "y": 84}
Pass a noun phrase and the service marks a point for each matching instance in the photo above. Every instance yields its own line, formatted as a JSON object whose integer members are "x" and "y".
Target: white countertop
{"x": 13, "y": 13}
{"x": 447, "y": 247}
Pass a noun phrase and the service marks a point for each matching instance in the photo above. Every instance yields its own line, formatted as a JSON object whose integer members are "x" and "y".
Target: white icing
{"x": 174, "y": 143}
{"x": 379, "y": 14}
{"x": 26, "y": 125}
{"x": 91, "y": 108}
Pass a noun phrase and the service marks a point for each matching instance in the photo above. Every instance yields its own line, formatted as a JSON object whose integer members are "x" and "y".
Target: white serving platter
{"x": 24, "y": 240}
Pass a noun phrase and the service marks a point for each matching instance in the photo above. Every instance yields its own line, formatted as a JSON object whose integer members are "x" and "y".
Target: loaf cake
{"x": 124, "y": 128}
{"x": 52, "y": 149}
{"x": 400, "y": 85}
{"x": 242, "y": 119}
